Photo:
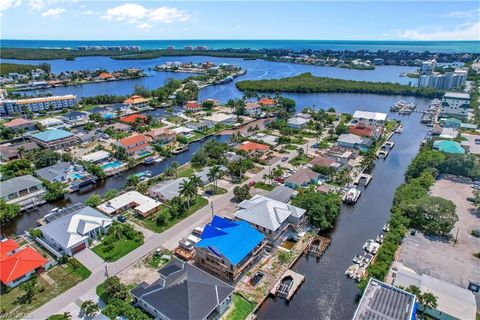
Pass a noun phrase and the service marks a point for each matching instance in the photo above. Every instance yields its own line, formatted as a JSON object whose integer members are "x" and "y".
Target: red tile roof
{"x": 7, "y": 247}
{"x": 321, "y": 161}
{"x": 249, "y": 146}
{"x": 267, "y": 101}
{"x": 133, "y": 118}
{"x": 19, "y": 264}
{"x": 17, "y": 122}
{"x": 192, "y": 105}
{"x": 132, "y": 140}
{"x": 105, "y": 75}
{"x": 361, "y": 130}
{"x": 134, "y": 99}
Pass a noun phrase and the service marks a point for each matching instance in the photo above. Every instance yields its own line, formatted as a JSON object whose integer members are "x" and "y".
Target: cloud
{"x": 7, "y": 4}
{"x": 466, "y": 31}
{"x": 144, "y": 18}
{"x": 56, "y": 12}
{"x": 464, "y": 14}
{"x": 90, "y": 13}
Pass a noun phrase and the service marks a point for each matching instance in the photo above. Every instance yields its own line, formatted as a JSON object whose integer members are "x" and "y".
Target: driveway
{"x": 89, "y": 259}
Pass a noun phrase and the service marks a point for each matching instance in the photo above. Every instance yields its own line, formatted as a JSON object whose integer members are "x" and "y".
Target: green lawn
{"x": 264, "y": 186}
{"x": 291, "y": 147}
{"x": 195, "y": 136}
{"x": 57, "y": 317}
{"x": 241, "y": 308}
{"x": 216, "y": 190}
{"x": 185, "y": 171}
{"x": 299, "y": 160}
{"x": 151, "y": 224}
{"x": 64, "y": 277}
{"x": 120, "y": 248}
{"x": 174, "y": 119}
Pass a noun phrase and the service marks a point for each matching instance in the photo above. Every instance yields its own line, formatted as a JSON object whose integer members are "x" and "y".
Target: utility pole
{"x": 211, "y": 206}
{"x": 106, "y": 270}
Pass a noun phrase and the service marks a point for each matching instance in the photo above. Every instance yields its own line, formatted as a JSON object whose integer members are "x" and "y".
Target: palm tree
{"x": 214, "y": 174}
{"x": 67, "y": 315}
{"x": 188, "y": 190}
{"x": 428, "y": 301}
{"x": 175, "y": 165}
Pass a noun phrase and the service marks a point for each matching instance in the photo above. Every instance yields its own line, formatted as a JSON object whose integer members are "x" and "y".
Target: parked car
{"x": 285, "y": 159}
{"x": 251, "y": 183}
{"x": 122, "y": 219}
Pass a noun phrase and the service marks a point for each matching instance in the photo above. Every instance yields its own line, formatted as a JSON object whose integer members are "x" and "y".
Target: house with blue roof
{"x": 227, "y": 249}
{"x": 54, "y": 139}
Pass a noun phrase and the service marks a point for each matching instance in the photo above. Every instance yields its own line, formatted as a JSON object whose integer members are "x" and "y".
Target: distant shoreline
{"x": 464, "y": 46}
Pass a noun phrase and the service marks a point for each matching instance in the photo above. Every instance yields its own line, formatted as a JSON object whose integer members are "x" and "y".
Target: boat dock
{"x": 317, "y": 246}
{"x": 384, "y": 150}
{"x": 287, "y": 285}
{"x": 363, "y": 176}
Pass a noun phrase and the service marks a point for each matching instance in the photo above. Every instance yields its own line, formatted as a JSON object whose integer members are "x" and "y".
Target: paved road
{"x": 168, "y": 239}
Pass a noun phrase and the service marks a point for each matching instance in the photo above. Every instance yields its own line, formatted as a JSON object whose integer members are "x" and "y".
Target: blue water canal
{"x": 326, "y": 293}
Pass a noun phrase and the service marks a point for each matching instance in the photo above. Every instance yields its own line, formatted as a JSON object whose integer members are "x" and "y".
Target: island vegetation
{"x": 6, "y": 68}
{"x": 308, "y": 83}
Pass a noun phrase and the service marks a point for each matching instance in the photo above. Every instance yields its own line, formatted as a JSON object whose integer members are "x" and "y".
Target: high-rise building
{"x": 448, "y": 80}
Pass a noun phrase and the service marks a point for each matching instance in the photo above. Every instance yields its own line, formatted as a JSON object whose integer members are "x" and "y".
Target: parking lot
{"x": 443, "y": 259}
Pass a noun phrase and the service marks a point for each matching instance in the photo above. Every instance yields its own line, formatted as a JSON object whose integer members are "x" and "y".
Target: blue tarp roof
{"x": 52, "y": 134}
{"x": 233, "y": 240}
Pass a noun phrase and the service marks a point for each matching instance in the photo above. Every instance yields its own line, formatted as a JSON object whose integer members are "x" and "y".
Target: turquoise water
{"x": 111, "y": 165}
{"x": 75, "y": 176}
{"x": 432, "y": 46}
{"x": 144, "y": 153}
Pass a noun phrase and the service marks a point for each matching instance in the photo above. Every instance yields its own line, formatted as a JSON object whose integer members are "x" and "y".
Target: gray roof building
{"x": 183, "y": 292}
{"x": 57, "y": 172}
{"x": 166, "y": 190}
{"x": 281, "y": 193}
{"x": 19, "y": 185}
{"x": 385, "y": 302}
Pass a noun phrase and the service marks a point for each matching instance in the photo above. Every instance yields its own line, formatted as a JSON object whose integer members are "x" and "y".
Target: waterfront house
{"x": 339, "y": 154}
{"x": 184, "y": 292}
{"x": 134, "y": 118}
{"x": 281, "y": 193}
{"x": 20, "y": 123}
{"x": 383, "y": 301}
{"x": 118, "y": 127}
{"x": 105, "y": 76}
{"x": 372, "y": 119}
{"x": 297, "y": 122}
{"x": 448, "y": 133}
{"x": 26, "y": 191}
{"x": 221, "y": 118}
{"x": 266, "y": 138}
{"x": 448, "y": 146}
{"x": 326, "y": 162}
{"x": 456, "y": 104}
{"x": 362, "y": 130}
{"x": 302, "y": 178}
{"x": 68, "y": 231}
{"x": 142, "y": 205}
{"x": 232, "y": 156}
{"x": 118, "y": 107}
{"x": 200, "y": 126}
{"x": 267, "y": 102}
{"x": 75, "y": 117}
{"x": 271, "y": 217}
{"x": 18, "y": 265}
{"x": 452, "y": 123}
{"x": 58, "y": 172}
{"x": 136, "y": 101}
{"x": 54, "y": 139}
{"x": 252, "y": 147}
{"x": 253, "y": 109}
{"x": 136, "y": 146}
{"x": 52, "y": 123}
{"x": 161, "y": 135}
{"x": 352, "y": 141}
{"x": 192, "y": 106}
{"x": 96, "y": 157}
{"x": 227, "y": 249}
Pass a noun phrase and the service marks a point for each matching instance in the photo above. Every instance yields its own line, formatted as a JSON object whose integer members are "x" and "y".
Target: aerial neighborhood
{"x": 169, "y": 204}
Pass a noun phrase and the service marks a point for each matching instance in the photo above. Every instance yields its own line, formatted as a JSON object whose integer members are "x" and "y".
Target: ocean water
{"x": 432, "y": 46}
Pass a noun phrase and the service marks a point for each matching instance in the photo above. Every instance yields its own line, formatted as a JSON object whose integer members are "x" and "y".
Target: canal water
{"x": 256, "y": 69}
{"x": 327, "y": 293}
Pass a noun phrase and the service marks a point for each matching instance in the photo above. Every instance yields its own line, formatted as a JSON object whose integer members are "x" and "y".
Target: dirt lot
{"x": 441, "y": 258}
{"x": 138, "y": 273}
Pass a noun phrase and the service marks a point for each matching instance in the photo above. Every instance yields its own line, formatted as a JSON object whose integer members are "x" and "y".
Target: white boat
{"x": 371, "y": 246}
{"x": 367, "y": 258}
{"x": 399, "y": 129}
{"x": 386, "y": 227}
{"x": 352, "y": 195}
{"x": 352, "y": 270}
{"x": 380, "y": 238}
{"x": 359, "y": 258}
{"x": 359, "y": 274}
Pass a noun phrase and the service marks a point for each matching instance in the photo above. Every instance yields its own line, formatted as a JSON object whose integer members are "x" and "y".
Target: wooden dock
{"x": 317, "y": 246}
{"x": 287, "y": 285}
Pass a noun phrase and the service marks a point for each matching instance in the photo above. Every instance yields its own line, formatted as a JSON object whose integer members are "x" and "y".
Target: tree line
{"x": 308, "y": 83}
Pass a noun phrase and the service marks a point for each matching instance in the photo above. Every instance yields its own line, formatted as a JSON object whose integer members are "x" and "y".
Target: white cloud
{"x": 143, "y": 17}
{"x": 466, "y": 31}
{"x": 464, "y": 14}
{"x": 7, "y": 4}
{"x": 90, "y": 13}
{"x": 56, "y": 12}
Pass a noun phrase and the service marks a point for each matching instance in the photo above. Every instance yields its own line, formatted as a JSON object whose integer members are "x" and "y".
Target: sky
{"x": 169, "y": 20}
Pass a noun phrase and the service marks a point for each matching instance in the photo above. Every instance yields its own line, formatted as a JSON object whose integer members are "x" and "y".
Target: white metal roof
{"x": 96, "y": 156}
{"x": 377, "y": 116}
{"x": 144, "y": 203}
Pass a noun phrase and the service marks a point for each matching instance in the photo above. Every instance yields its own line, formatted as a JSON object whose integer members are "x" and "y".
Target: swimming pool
{"x": 144, "y": 154}
{"x": 75, "y": 175}
{"x": 111, "y": 165}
